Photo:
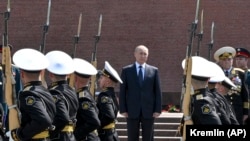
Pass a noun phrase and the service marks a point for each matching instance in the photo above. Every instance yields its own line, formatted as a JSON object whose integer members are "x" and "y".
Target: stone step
{"x": 164, "y": 117}
{"x": 157, "y": 132}
{"x": 123, "y": 125}
{"x": 124, "y": 138}
{"x": 166, "y": 127}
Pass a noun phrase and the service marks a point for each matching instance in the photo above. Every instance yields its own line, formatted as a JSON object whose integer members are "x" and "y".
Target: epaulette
{"x": 238, "y": 69}
{"x": 27, "y": 88}
{"x": 81, "y": 94}
{"x": 104, "y": 90}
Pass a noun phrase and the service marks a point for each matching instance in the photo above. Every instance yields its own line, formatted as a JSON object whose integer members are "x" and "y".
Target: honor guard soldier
{"x": 61, "y": 65}
{"x": 238, "y": 97}
{"x": 87, "y": 115}
{"x": 219, "y": 86}
{"x": 35, "y": 103}
{"x": 241, "y": 61}
{"x": 203, "y": 108}
{"x": 107, "y": 103}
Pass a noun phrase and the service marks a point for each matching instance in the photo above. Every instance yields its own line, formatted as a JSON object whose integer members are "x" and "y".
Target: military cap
{"x": 219, "y": 74}
{"x": 110, "y": 72}
{"x": 224, "y": 52}
{"x": 201, "y": 67}
{"x": 242, "y": 52}
{"x": 83, "y": 67}
{"x": 30, "y": 60}
{"x": 60, "y": 63}
{"x": 228, "y": 83}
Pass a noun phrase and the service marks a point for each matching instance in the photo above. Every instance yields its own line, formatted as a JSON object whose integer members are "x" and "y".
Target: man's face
{"x": 226, "y": 63}
{"x": 241, "y": 62}
{"x": 141, "y": 55}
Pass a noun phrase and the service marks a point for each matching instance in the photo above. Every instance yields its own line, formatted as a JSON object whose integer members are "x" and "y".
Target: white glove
{"x": 8, "y": 134}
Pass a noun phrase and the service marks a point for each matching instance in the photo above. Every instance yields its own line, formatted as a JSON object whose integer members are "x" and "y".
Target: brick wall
{"x": 162, "y": 25}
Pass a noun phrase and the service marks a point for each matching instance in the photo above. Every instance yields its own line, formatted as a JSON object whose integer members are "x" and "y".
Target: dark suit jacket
{"x": 135, "y": 99}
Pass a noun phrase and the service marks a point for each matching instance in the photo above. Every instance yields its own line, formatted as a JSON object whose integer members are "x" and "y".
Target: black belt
{"x": 106, "y": 131}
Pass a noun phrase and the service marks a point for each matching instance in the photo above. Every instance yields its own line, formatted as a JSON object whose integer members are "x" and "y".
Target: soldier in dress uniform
{"x": 61, "y": 65}
{"x": 238, "y": 97}
{"x": 203, "y": 107}
{"x": 107, "y": 103}
{"x": 241, "y": 61}
{"x": 87, "y": 115}
{"x": 35, "y": 103}
{"x": 219, "y": 86}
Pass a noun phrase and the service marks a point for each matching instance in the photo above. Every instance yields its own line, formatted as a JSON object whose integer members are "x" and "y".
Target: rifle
{"x": 187, "y": 81}
{"x": 211, "y": 44}
{"x": 76, "y": 39}
{"x": 94, "y": 60}
{"x": 42, "y": 45}
{"x": 200, "y": 35}
{"x": 8, "y": 78}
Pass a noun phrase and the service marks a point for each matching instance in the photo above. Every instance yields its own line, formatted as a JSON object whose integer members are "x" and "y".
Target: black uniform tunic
{"x": 38, "y": 110}
{"x": 238, "y": 97}
{"x": 203, "y": 108}
{"x": 87, "y": 117}
{"x": 66, "y": 110}
{"x": 108, "y": 108}
{"x": 224, "y": 109}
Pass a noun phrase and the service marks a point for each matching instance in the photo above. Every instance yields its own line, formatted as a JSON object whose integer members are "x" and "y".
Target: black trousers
{"x": 134, "y": 125}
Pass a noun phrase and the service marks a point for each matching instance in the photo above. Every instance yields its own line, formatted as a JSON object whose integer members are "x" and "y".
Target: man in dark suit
{"x": 140, "y": 96}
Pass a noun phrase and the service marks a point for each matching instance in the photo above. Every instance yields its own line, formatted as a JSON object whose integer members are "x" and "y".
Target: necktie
{"x": 226, "y": 73}
{"x": 140, "y": 75}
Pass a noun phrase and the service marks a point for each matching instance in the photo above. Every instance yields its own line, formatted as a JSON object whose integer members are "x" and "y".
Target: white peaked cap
{"x": 229, "y": 82}
{"x": 83, "y": 67}
{"x": 219, "y": 74}
{"x": 30, "y": 59}
{"x": 60, "y": 63}
{"x": 111, "y": 72}
{"x": 200, "y": 67}
{"x": 224, "y": 52}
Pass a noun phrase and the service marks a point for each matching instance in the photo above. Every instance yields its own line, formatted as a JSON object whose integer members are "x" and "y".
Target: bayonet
{"x": 45, "y": 29}
{"x": 211, "y": 44}
{"x": 200, "y": 35}
{"x": 76, "y": 40}
{"x": 94, "y": 60}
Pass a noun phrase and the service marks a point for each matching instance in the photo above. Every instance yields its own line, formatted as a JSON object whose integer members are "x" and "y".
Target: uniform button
{"x": 231, "y": 103}
{"x": 231, "y": 97}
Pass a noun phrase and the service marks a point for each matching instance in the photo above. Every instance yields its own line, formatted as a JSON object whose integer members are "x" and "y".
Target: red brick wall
{"x": 162, "y": 25}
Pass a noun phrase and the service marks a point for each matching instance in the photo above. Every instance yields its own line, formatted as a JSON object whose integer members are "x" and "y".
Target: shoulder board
{"x": 27, "y": 88}
{"x": 199, "y": 97}
{"x": 82, "y": 94}
{"x": 238, "y": 69}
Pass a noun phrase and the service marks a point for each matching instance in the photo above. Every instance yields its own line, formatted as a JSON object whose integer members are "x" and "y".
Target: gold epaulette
{"x": 27, "y": 88}
{"x": 81, "y": 94}
{"x": 239, "y": 69}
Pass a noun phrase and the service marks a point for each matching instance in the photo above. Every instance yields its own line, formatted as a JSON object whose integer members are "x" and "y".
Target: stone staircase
{"x": 165, "y": 127}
